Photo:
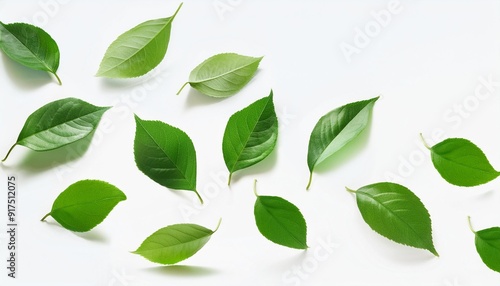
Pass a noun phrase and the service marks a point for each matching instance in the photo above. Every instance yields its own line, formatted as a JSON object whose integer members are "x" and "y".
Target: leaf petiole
{"x": 8, "y": 153}
{"x": 310, "y": 180}
{"x": 57, "y": 77}
{"x": 182, "y": 87}
{"x": 218, "y": 224}
{"x": 255, "y": 188}
{"x": 43, "y": 218}
{"x": 199, "y": 197}
{"x": 470, "y": 224}
{"x": 350, "y": 191}
{"x": 424, "y": 142}
{"x": 229, "y": 180}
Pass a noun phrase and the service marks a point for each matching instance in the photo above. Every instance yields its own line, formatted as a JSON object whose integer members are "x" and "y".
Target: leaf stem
{"x": 229, "y": 180}
{"x": 43, "y": 218}
{"x": 58, "y": 79}
{"x": 218, "y": 224}
{"x": 8, "y": 153}
{"x": 255, "y": 188}
{"x": 423, "y": 141}
{"x": 199, "y": 197}
{"x": 310, "y": 180}
{"x": 182, "y": 87}
{"x": 350, "y": 191}
{"x": 470, "y": 224}
{"x": 173, "y": 16}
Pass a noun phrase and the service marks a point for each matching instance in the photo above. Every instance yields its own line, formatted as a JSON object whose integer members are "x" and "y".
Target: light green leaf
{"x": 30, "y": 46}
{"x": 461, "y": 163}
{"x": 59, "y": 123}
{"x": 250, "y": 135}
{"x": 139, "y": 50}
{"x": 280, "y": 221}
{"x": 398, "y": 214}
{"x": 175, "y": 243}
{"x": 336, "y": 129}
{"x": 85, "y": 204}
{"x": 165, "y": 154}
{"x": 223, "y": 75}
{"x": 488, "y": 246}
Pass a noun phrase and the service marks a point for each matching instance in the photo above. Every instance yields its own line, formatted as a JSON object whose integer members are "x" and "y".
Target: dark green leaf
{"x": 280, "y": 221}
{"x": 250, "y": 135}
{"x": 139, "y": 50}
{"x": 174, "y": 243}
{"x": 165, "y": 154}
{"x": 85, "y": 204}
{"x": 223, "y": 75}
{"x": 462, "y": 163}
{"x": 336, "y": 129}
{"x": 395, "y": 212}
{"x": 488, "y": 246}
{"x": 59, "y": 123}
{"x": 30, "y": 46}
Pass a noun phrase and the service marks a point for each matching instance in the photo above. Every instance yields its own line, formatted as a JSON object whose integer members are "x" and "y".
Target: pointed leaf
{"x": 59, "y": 123}
{"x": 223, "y": 75}
{"x": 250, "y": 135}
{"x": 280, "y": 221}
{"x": 139, "y": 50}
{"x": 488, "y": 247}
{"x": 174, "y": 243}
{"x": 336, "y": 129}
{"x": 462, "y": 163}
{"x": 85, "y": 204}
{"x": 30, "y": 46}
{"x": 165, "y": 154}
{"x": 395, "y": 212}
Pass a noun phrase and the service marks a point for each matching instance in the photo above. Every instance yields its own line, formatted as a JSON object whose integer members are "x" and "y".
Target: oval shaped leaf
{"x": 461, "y": 163}
{"x": 398, "y": 214}
{"x": 223, "y": 75}
{"x": 30, "y": 46}
{"x": 85, "y": 204}
{"x": 165, "y": 154}
{"x": 174, "y": 243}
{"x": 280, "y": 221}
{"x": 250, "y": 135}
{"x": 59, "y": 123}
{"x": 488, "y": 246}
{"x": 335, "y": 129}
{"x": 137, "y": 51}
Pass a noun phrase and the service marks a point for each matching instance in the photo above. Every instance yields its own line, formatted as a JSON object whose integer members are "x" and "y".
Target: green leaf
{"x": 336, "y": 129}
{"x": 488, "y": 246}
{"x": 30, "y": 46}
{"x": 462, "y": 163}
{"x": 398, "y": 214}
{"x": 139, "y": 50}
{"x": 165, "y": 154}
{"x": 174, "y": 243}
{"x": 223, "y": 75}
{"x": 59, "y": 123}
{"x": 280, "y": 221}
{"x": 250, "y": 135}
{"x": 85, "y": 204}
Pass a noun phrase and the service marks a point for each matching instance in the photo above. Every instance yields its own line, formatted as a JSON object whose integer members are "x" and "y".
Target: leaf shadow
{"x": 183, "y": 271}
{"x": 262, "y": 167}
{"x": 345, "y": 154}
{"x": 196, "y": 98}
{"x": 92, "y": 235}
{"x": 24, "y": 77}
{"x": 35, "y": 162}
{"x": 120, "y": 83}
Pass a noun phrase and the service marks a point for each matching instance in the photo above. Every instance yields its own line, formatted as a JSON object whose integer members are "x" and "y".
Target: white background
{"x": 427, "y": 62}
